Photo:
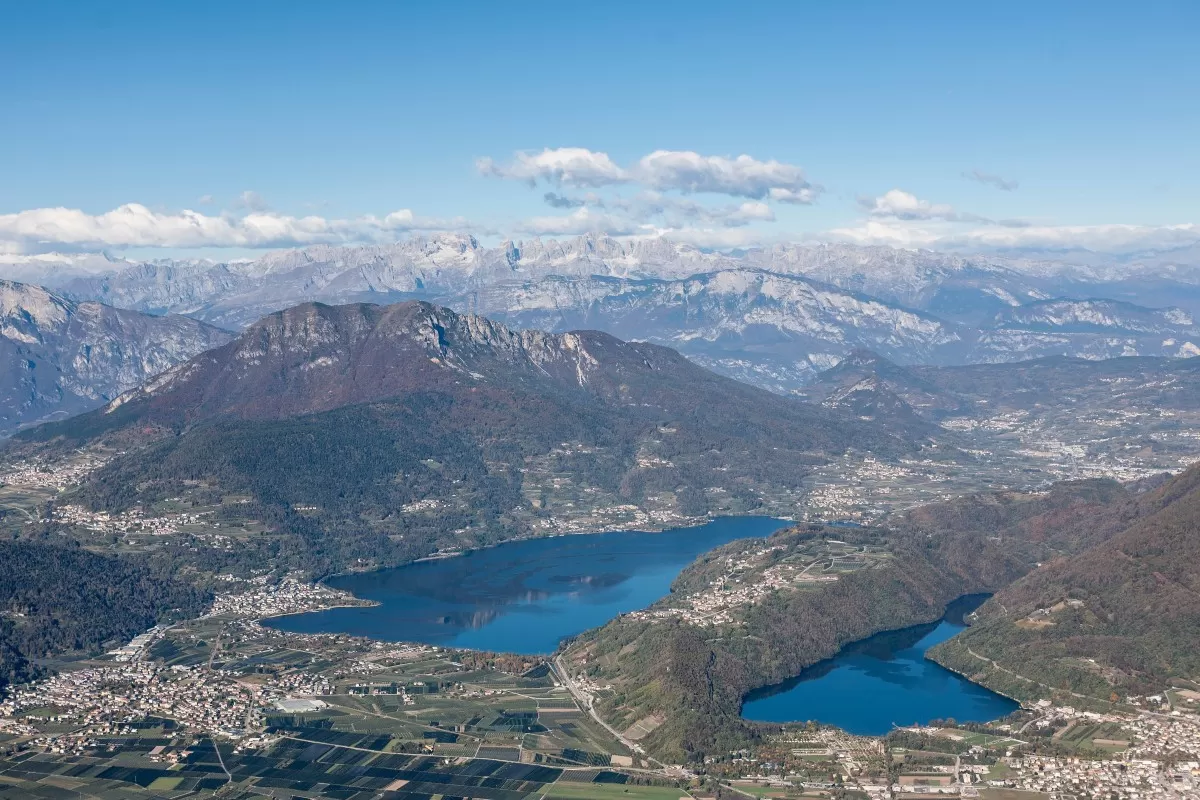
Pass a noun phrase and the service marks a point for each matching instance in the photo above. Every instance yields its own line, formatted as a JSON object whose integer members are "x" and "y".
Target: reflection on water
{"x": 873, "y": 685}
{"x": 523, "y": 597}
{"x": 473, "y": 620}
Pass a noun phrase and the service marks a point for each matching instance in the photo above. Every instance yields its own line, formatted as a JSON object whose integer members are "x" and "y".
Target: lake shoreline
{"x": 682, "y": 524}
{"x": 523, "y": 596}
{"x": 855, "y": 659}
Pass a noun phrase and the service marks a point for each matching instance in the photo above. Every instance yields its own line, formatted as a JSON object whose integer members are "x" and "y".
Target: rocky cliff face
{"x": 59, "y": 357}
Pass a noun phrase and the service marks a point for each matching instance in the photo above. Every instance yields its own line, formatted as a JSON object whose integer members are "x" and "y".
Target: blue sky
{"x": 351, "y": 111}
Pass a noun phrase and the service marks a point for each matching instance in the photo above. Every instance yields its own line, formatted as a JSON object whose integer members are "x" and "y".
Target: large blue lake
{"x": 523, "y": 597}
{"x": 873, "y": 685}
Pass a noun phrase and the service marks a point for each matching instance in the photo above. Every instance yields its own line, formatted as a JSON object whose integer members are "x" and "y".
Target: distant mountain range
{"x": 864, "y": 380}
{"x": 774, "y": 317}
{"x": 60, "y": 357}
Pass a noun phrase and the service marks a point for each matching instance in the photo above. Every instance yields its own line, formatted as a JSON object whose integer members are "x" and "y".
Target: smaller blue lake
{"x": 522, "y": 597}
{"x": 873, "y": 685}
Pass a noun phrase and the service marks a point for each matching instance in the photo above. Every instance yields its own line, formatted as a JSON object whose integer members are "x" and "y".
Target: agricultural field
{"x": 324, "y": 717}
{"x": 1105, "y": 737}
{"x": 298, "y": 764}
{"x": 568, "y": 790}
{"x": 992, "y": 793}
{"x": 974, "y": 738}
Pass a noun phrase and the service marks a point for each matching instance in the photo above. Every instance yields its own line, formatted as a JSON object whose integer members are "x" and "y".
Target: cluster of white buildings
{"x": 1112, "y": 779}
{"x": 658, "y": 513}
{"x": 107, "y": 699}
{"x": 304, "y": 684}
{"x": 1161, "y": 762}
{"x": 133, "y": 521}
{"x": 57, "y": 475}
{"x": 138, "y": 645}
{"x": 262, "y": 598}
{"x": 867, "y": 488}
{"x": 741, "y": 586}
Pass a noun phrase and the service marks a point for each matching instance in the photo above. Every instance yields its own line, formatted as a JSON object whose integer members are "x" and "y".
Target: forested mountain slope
{"x": 1128, "y": 554}
{"x": 55, "y": 599}
{"x": 1122, "y": 616}
{"x": 378, "y": 432}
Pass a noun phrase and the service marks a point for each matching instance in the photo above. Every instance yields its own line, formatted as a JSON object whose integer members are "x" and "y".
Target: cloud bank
{"x": 1117, "y": 239}
{"x": 135, "y": 225}
{"x": 719, "y": 202}
{"x": 681, "y": 171}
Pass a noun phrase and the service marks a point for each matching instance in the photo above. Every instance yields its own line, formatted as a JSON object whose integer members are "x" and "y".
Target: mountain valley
{"x": 325, "y": 439}
{"x": 468, "y": 401}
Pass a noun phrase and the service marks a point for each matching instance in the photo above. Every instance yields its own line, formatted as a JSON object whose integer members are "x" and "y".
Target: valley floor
{"x": 221, "y": 704}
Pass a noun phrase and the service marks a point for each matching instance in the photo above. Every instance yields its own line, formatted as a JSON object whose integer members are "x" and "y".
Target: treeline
{"x": 55, "y": 599}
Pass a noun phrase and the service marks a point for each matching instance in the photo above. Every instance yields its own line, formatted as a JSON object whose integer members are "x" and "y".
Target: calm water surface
{"x": 523, "y": 597}
{"x": 875, "y": 684}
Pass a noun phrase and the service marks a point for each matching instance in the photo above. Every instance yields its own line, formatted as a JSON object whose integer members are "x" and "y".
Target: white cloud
{"x": 750, "y": 212}
{"x": 743, "y": 176}
{"x": 1115, "y": 238}
{"x": 717, "y": 238}
{"x": 897, "y": 235}
{"x": 205, "y": 200}
{"x": 902, "y": 205}
{"x": 556, "y": 200}
{"x": 664, "y": 170}
{"x": 135, "y": 225}
{"x": 569, "y": 166}
{"x": 675, "y": 212}
{"x": 725, "y": 216}
{"x": 795, "y": 196}
{"x": 899, "y": 204}
{"x": 644, "y": 212}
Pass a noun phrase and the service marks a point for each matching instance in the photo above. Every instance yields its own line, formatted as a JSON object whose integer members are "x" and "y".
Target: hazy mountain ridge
{"x": 59, "y": 357}
{"x": 787, "y": 323}
{"x": 1068, "y": 385}
{"x": 772, "y": 316}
